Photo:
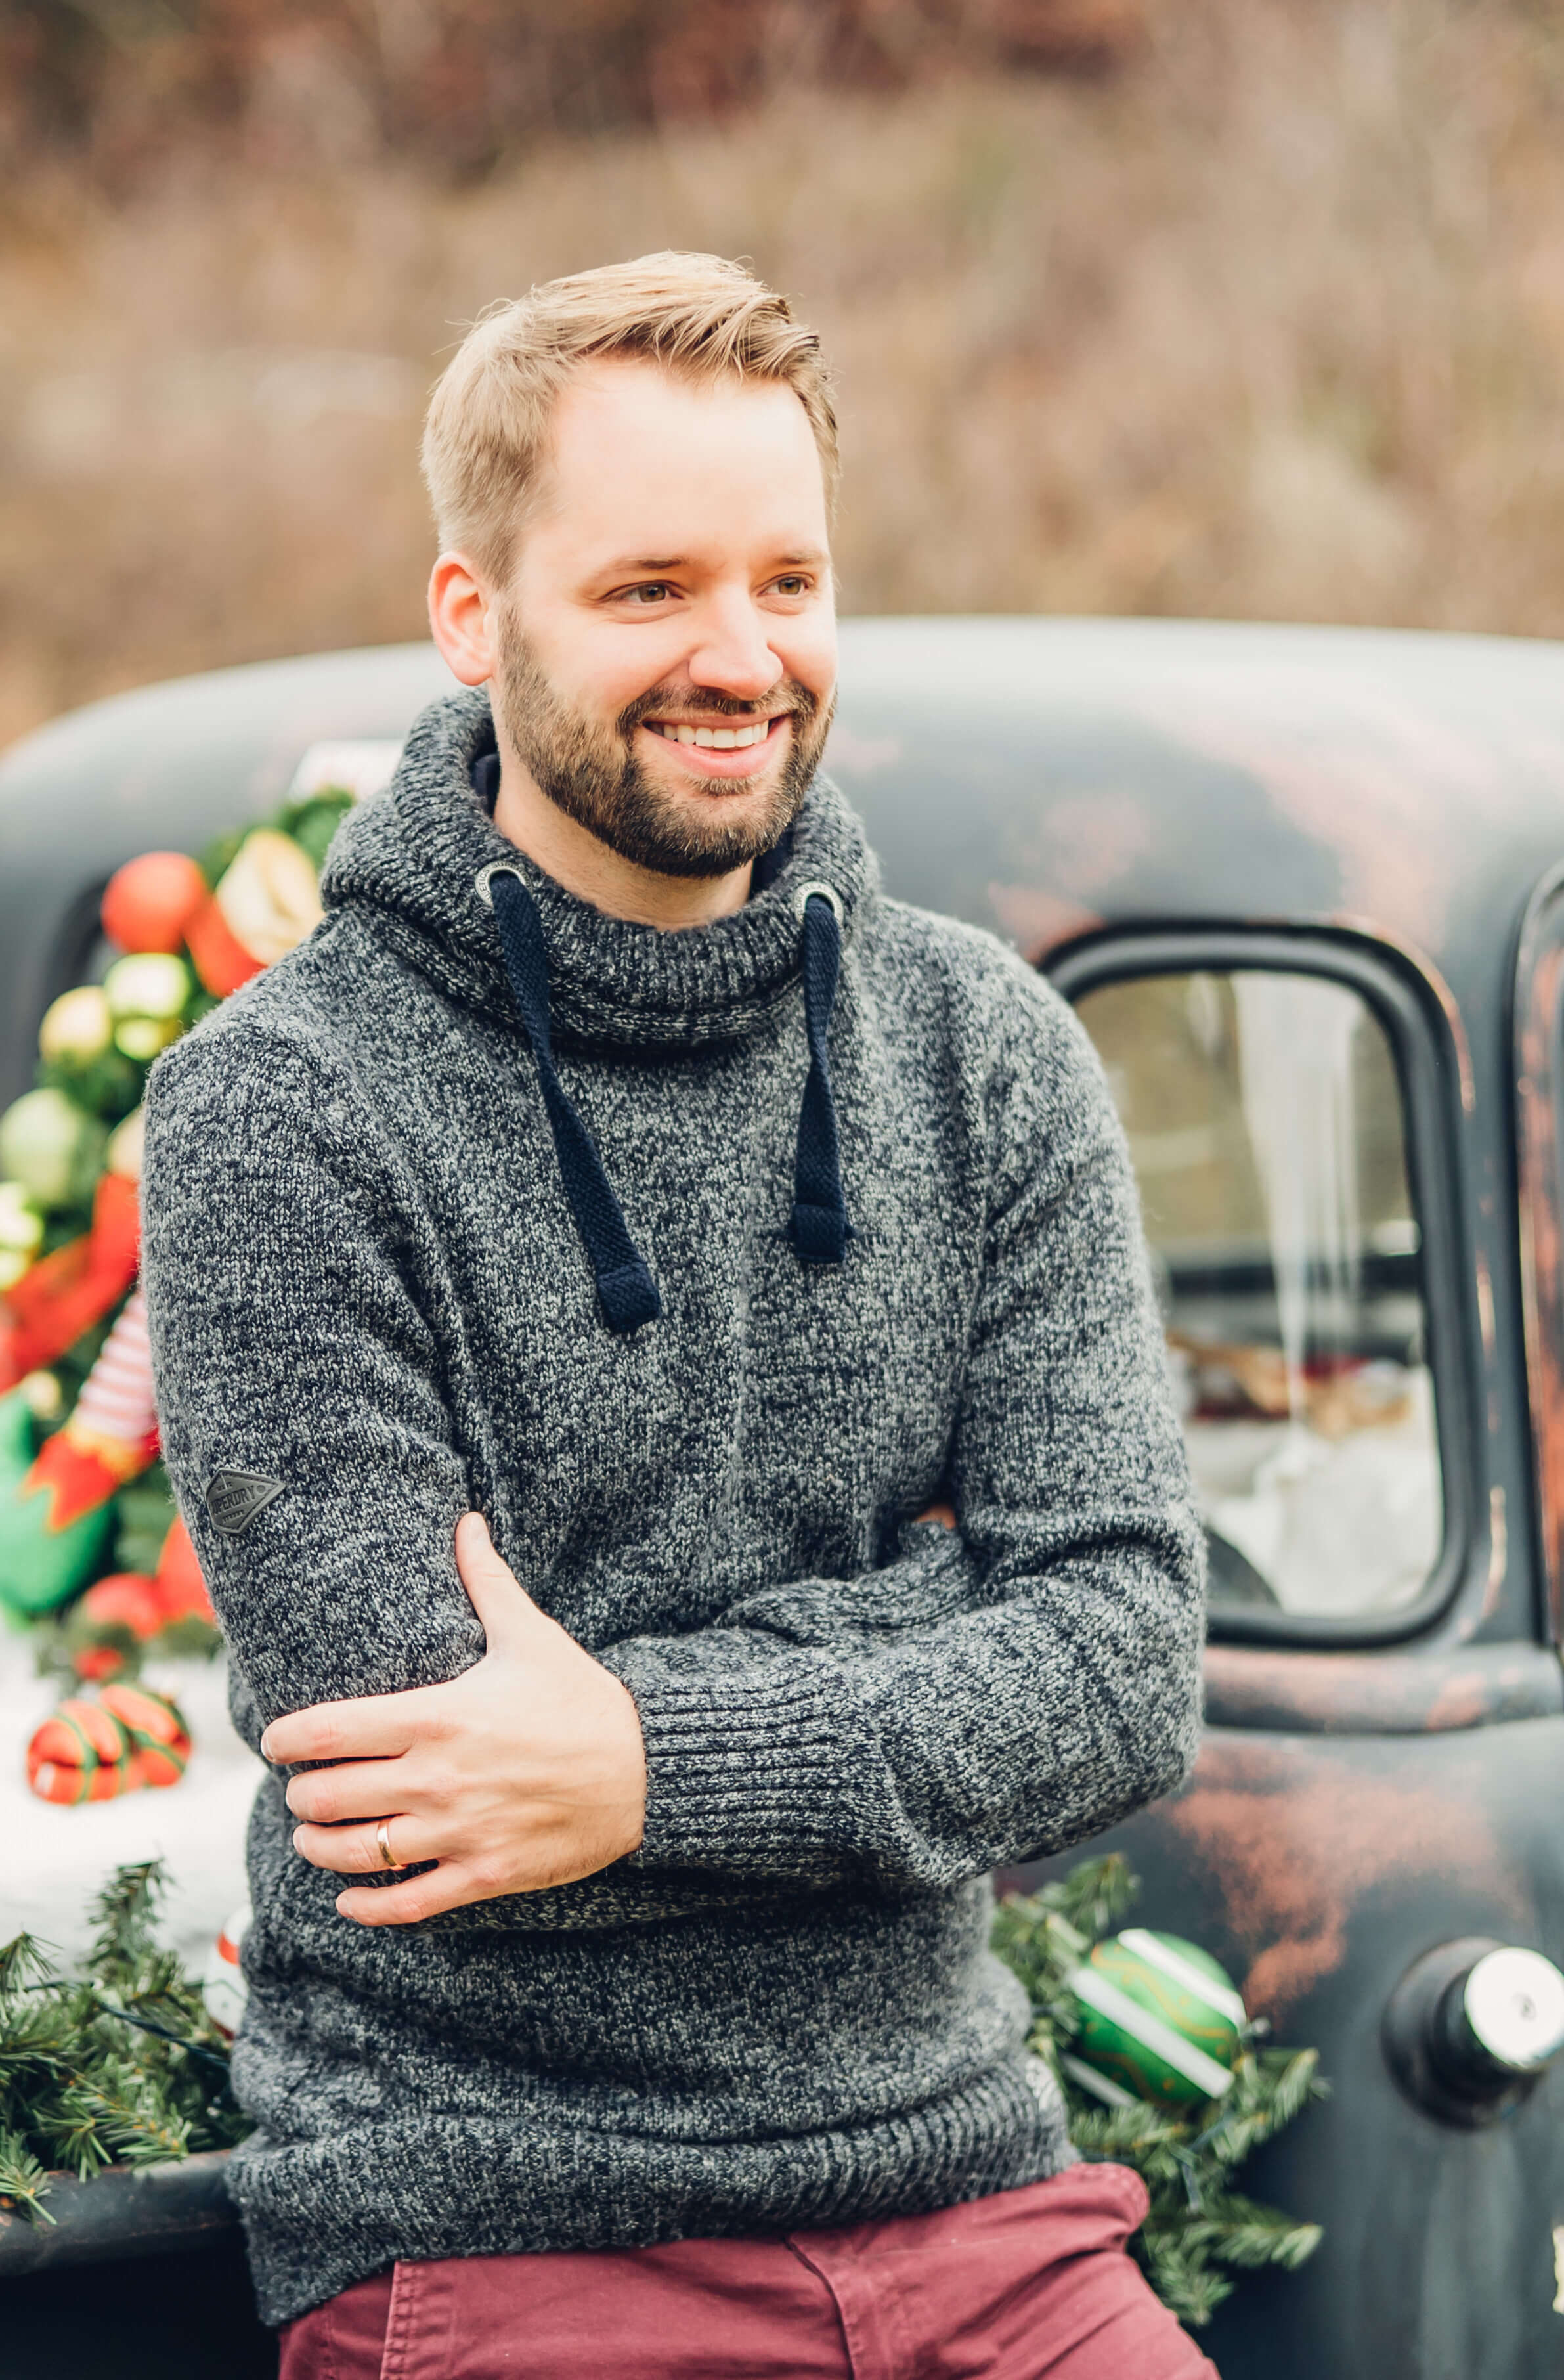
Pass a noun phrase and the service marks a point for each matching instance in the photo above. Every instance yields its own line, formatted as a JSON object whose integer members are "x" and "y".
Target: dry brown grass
{"x": 1270, "y": 325}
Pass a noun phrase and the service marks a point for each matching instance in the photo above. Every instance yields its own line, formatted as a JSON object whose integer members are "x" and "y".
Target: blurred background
{"x": 1241, "y": 308}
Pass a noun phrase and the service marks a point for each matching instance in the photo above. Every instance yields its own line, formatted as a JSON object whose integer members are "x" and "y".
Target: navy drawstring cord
{"x": 625, "y": 1288}
{"x": 819, "y": 1228}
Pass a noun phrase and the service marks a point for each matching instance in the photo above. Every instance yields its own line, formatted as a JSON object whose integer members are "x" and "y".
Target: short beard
{"x": 591, "y": 774}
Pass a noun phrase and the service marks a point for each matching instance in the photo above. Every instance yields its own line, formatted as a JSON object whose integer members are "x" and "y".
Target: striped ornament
{"x": 156, "y": 1729}
{"x": 1159, "y": 2020}
{"x": 81, "y": 1754}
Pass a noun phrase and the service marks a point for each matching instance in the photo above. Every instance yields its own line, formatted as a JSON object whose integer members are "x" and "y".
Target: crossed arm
{"x": 994, "y": 1690}
{"x": 528, "y": 1770}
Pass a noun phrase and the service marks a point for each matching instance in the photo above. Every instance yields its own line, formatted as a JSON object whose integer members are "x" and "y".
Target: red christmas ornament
{"x": 151, "y": 900}
{"x": 221, "y": 959}
{"x": 127, "y": 1599}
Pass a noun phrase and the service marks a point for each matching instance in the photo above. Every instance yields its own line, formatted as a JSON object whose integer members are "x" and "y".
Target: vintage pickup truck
{"x": 1306, "y": 889}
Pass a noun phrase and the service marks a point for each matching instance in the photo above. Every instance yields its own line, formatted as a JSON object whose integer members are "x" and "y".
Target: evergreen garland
{"x": 123, "y": 2064}
{"x": 119, "y": 2065}
{"x": 1199, "y": 2229}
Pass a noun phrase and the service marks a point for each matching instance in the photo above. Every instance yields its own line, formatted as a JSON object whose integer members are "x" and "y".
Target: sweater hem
{"x": 320, "y": 2216}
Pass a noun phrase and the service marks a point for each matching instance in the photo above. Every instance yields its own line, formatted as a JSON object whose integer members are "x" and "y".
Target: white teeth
{"x": 714, "y": 739}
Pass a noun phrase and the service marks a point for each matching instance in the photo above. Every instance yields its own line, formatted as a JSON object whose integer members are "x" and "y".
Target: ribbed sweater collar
{"x": 411, "y": 859}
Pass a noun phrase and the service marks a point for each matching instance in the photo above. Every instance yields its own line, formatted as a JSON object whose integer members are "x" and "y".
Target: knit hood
{"x": 413, "y": 856}
{"x": 454, "y": 898}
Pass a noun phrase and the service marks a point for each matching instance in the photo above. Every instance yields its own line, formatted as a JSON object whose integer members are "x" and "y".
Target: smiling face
{"x": 664, "y": 655}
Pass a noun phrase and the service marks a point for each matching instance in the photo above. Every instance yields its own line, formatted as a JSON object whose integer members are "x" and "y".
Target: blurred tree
{"x": 463, "y": 83}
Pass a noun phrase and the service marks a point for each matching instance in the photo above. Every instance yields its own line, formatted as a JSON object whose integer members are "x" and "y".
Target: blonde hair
{"x": 485, "y": 438}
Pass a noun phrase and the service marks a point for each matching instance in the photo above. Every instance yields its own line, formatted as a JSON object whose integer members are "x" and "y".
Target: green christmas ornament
{"x": 51, "y": 1148}
{"x": 146, "y": 995}
{"x": 1159, "y": 2020}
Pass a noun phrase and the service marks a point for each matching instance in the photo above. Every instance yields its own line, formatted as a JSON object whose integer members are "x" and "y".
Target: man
{"x": 655, "y": 1352}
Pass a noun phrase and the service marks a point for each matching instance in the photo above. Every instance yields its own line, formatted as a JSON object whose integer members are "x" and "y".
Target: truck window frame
{"x": 1426, "y": 1067}
{"x": 1537, "y": 1056}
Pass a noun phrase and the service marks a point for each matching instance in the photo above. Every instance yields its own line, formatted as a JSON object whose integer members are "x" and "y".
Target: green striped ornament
{"x": 1159, "y": 2020}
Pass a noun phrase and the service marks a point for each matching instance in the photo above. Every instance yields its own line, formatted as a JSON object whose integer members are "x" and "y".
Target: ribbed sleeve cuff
{"x": 747, "y": 1773}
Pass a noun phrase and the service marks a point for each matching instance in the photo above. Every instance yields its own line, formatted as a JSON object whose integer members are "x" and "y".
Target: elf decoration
{"x": 89, "y": 1542}
{"x": 58, "y": 1520}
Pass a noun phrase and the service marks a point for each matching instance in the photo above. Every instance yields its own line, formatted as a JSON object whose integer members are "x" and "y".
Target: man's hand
{"x": 528, "y": 1770}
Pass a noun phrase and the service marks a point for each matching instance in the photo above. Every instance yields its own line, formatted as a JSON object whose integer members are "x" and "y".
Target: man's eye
{"x": 655, "y": 590}
{"x": 791, "y": 583}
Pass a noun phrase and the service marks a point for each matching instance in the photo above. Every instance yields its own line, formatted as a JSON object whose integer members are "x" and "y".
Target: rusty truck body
{"x": 1306, "y": 889}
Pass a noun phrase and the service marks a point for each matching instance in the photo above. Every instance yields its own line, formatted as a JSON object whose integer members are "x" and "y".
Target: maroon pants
{"x": 1033, "y": 2284}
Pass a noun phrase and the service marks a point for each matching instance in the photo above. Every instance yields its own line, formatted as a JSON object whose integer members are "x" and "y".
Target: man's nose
{"x": 731, "y": 653}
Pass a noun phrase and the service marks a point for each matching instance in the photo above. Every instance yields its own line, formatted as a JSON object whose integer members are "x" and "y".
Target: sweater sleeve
{"x": 286, "y": 1346}
{"x": 1004, "y": 1691}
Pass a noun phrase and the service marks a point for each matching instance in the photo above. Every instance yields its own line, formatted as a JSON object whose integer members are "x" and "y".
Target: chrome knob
{"x": 1510, "y": 2007}
{"x": 1473, "y": 2026}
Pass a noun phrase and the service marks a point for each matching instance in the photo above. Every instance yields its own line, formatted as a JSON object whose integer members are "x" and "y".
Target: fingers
{"x": 450, "y": 1886}
{"x": 360, "y": 1789}
{"x": 355, "y": 1850}
{"x": 384, "y": 1726}
{"x": 375, "y": 1726}
{"x": 495, "y": 1592}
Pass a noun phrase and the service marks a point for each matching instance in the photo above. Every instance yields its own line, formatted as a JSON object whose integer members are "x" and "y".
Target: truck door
{"x": 1383, "y": 1752}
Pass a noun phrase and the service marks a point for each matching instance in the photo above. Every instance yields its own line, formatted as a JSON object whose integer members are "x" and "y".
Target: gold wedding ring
{"x": 382, "y": 1843}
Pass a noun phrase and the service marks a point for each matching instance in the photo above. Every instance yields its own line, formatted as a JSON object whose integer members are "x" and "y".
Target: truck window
{"x": 1266, "y": 1123}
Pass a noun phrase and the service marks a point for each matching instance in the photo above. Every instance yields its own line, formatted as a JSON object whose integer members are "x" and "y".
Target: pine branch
{"x": 1180, "y": 2272}
{"x": 22, "y": 1961}
{"x": 23, "y": 2182}
{"x": 128, "y": 2115}
{"x": 74, "y": 2142}
{"x": 122, "y": 1915}
{"x": 119, "y": 2064}
{"x": 1244, "y": 2234}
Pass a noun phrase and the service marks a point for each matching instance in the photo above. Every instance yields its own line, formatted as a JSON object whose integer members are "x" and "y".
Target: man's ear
{"x": 462, "y": 620}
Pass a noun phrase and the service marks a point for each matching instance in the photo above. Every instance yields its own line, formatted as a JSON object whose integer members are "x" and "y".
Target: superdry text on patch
{"x": 233, "y": 1497}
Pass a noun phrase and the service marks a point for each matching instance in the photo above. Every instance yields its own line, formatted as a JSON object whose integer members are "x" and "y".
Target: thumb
{"x": 493, "y": 1589}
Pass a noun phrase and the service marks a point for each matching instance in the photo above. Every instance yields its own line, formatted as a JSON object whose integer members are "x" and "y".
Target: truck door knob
{"x": 1473, "y": 2026}
{"x": 1507, "y": 2017}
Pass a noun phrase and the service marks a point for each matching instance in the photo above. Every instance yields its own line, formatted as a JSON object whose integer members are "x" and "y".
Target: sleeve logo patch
{"x": 233, "y": 1497}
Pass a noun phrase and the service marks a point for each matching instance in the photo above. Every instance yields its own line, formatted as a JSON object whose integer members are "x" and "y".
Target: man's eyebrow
{"x": 632, "y": 565}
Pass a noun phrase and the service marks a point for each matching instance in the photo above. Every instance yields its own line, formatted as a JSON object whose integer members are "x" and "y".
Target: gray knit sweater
{"x": 365, "y": 1282}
